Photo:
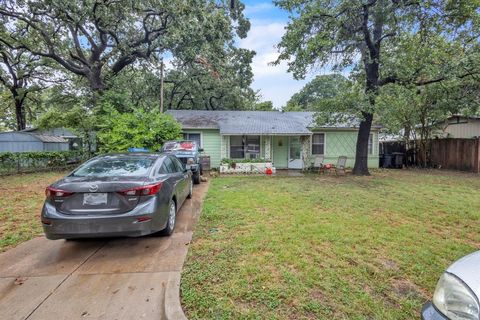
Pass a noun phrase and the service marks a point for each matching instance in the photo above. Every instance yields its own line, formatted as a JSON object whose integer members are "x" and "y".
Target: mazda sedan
{"x": 457, "y": 292}
{"x": 117, "y": 195}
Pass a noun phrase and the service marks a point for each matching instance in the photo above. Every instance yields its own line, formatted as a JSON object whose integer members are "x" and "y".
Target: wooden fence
{"x": 456, "y": 154}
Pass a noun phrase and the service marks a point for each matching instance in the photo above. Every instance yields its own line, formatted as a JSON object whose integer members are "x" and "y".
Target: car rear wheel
{"x": 172, "y": 216}
{"x": 196, "y": 177}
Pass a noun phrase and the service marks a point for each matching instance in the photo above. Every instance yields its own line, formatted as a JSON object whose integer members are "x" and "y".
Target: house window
{"x": 244, "y": 147}
{"x": 253, "y": 147}
{"x": 237, "y": 147}
{"x": 370, "y": 144}
{"x": 193, "y": 137}
{"x": 318, "y": 143}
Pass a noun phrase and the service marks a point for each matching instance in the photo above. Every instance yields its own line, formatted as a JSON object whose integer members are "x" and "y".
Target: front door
{"x": 280, "y": 152}
{"x": 295, "y": 153}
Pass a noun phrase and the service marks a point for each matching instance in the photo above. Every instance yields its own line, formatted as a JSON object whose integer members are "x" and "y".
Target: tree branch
{"x": 366, "y": 32}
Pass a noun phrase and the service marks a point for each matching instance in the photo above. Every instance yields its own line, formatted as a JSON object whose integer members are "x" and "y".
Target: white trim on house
{"x": 198, "y": 128}
{"x": 373, "y": 144}
{"x": 267, "y": 134}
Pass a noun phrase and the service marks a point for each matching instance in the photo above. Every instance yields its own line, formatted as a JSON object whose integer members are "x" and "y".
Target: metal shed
{"x": 15, "y": 141}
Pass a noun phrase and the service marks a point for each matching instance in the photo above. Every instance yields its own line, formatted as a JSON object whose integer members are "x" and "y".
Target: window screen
{"x": 318, "y": 143}
{"x": 237, "y": 150}
{"x": 253, "y": 147}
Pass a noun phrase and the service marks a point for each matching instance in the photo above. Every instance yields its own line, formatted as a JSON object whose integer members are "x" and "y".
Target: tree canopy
{"x": 203, "y": 84}
{"x": 322, "y": 87}
{"x": 109, "y": 53}
{"x": 98, "y": 39}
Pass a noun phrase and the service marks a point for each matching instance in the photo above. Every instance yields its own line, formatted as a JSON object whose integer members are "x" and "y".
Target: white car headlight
{"x": 455, "y": 300}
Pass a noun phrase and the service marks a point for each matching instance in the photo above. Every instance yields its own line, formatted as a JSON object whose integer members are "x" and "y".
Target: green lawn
{"x": 21, "y": 200}
{"x": 328, "y": 248}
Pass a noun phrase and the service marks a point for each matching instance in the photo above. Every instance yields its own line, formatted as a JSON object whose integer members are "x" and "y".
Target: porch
{"x": 283, "y": 151}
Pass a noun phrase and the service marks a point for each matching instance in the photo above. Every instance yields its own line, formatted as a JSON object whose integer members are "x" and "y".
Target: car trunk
{"x": 97, "y": 195}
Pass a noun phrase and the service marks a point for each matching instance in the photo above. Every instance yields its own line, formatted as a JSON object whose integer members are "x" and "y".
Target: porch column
{"x": 267, "y": 147}
{"x": 305, "y": 142}
{"x": 225, "y": 146}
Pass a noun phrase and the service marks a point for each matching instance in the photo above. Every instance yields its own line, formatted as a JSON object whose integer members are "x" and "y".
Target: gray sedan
{"x": 457, "y": 292}
{"x": 117, "y": 195}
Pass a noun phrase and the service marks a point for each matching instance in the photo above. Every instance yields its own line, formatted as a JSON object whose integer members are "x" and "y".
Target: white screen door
{"x": 295, "y": 153}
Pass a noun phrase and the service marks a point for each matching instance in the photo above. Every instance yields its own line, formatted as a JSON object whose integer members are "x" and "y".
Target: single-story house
{"x": 284, "y": 138}
{"x": 460, "y": 127}
{"x": 18, "y": 141}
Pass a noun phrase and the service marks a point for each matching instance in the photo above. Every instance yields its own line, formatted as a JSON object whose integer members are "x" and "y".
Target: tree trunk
{"x": 161, "y": 86}
{"x": 371, "y": 89}
{"x": 408, "y": 144}
{"x": 19, "y": 112}
{"x": 97, "y": 85}
{"x": 361, "y": 156}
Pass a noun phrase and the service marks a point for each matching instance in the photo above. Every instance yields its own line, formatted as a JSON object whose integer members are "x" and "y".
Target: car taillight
{"x": 56, "y": 193}
{"x": 142, "y": 191}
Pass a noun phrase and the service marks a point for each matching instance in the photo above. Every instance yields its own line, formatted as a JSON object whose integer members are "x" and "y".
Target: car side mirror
{"x": 200, "y": 149}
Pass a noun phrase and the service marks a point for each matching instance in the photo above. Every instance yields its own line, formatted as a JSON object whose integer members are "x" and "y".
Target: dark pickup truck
{"x": 188, "y": 153}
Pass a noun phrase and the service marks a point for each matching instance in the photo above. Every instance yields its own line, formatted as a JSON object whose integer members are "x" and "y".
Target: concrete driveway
{"x": 124, "y": 278}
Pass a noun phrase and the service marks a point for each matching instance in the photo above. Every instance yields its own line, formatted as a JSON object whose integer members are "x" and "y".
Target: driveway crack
{"x": 66, "y": 278}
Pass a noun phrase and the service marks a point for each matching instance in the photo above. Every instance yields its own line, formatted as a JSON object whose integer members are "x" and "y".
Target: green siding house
{"x": 285, "y": 138}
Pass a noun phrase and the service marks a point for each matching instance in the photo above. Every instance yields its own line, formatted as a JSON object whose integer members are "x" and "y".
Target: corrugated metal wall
{"x": 23, "y": 142}
{"x": 20, "y": 146}
{"x": 55, "y": 146}
{"x": 19, "y": 142}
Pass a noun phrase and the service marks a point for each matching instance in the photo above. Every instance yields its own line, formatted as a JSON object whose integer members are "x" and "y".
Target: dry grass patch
{"x": 21, "y": 201}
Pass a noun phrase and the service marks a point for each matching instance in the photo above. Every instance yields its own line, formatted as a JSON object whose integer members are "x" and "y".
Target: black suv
{"x": 188, "y": 153}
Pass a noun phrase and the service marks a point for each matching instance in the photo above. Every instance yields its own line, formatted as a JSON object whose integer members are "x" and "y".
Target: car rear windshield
{"x": 179, "y": 145}
{"x": 115, "y": 166}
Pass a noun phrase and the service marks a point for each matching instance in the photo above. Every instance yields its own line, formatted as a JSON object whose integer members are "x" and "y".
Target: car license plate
{"x": 94, "y": 199}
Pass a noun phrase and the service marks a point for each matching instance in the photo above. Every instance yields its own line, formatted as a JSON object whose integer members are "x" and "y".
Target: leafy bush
{"x": 77, "y": 118}
{"x": 139, "y": 129}
{"x": 27, "y": 161}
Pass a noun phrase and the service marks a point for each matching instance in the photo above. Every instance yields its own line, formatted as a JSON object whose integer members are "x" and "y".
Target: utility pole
{"x": 161, "y": 86}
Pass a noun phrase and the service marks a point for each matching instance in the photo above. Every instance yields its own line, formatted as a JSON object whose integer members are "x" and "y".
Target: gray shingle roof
{"x": 251, "y": 122}
{"x": 48, "y": 138}
{"x": 12, "y": 135}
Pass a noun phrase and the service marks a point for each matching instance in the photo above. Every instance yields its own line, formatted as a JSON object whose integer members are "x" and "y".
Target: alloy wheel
{"x": 171, "y": 216}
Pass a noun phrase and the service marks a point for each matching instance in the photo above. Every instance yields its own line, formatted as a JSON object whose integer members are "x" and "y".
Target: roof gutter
{"x": 267, "y": 134}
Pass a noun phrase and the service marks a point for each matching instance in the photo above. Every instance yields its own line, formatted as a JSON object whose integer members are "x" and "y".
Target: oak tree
{"x": 98, "y": 39}
{"x": 354, "y": 33}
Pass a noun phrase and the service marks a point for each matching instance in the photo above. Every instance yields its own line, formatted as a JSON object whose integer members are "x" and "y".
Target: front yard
{"x": 21, "y": 199}
{"x": 328, "y": 248}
